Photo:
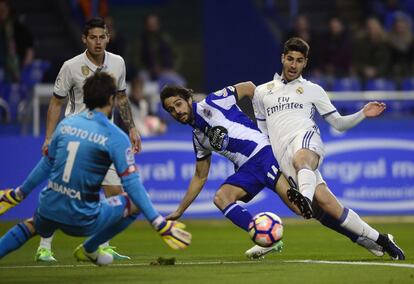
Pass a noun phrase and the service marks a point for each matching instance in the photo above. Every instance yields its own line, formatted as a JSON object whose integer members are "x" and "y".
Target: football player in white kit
{"x": 69, "y": 83}
{"x": 284, "y": 108}
{"x": 220, "y": 126}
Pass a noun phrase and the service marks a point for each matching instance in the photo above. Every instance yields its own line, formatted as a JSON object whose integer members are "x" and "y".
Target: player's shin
{"x": 14, "y": 239}
{"x": 238, "y": 215}
{"x": 351, "y": 221}
{"x": 332, "y": 223}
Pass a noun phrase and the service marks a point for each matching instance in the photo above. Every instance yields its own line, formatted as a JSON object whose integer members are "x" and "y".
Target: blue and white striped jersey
{"x": 220, "y": 126}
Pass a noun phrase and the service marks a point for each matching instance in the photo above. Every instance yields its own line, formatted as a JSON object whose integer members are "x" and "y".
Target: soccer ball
{"x": 265, "y": 229}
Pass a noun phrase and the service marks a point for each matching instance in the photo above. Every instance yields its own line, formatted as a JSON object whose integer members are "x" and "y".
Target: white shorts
{"x": 111, "y": 177}
{"x": 307, "y": 139}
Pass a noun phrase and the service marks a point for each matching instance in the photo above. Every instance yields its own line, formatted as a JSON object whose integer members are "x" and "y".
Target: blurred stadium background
{"x": 211, "y": 44}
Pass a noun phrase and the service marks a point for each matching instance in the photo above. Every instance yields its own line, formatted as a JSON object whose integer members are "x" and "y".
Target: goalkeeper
{"x": 80, "y": 153}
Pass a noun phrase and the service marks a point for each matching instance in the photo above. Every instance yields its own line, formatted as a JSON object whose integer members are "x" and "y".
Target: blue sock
{"x": 92, "y": 243}
{"x": 14, "y": 238}
{"x": 334, "y": 224}
{"x": 238, "y": 215}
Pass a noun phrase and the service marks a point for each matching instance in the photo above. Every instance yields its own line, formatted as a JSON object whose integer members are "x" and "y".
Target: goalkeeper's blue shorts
{"x": 112, "y": 210}
{"x": 260, "y": 171}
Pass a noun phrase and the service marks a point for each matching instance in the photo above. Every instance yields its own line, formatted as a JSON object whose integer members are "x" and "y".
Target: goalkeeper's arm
{"x": 12, "y": 197}
{"x": 172, "y": 232}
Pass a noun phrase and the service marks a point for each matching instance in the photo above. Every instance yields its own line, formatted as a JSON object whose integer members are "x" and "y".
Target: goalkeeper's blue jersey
{"x": 220, "y": 126}
{"x": 81, "y": 151}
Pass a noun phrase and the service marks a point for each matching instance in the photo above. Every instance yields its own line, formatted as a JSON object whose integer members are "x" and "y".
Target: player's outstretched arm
{"x": 172, "y": 233}
{"x": 195, "y": 187}
{"x": 245, "y": 89}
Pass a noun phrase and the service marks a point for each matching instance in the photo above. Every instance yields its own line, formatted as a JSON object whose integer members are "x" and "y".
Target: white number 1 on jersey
{"x": 72, "y": 149}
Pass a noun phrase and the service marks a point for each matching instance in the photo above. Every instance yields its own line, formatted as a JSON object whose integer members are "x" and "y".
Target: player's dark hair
{"x": 296, "y": 44}
{"x": 97, "y": 90}
{"x": 174, "y": 90}
{"x": 95, "y": 22}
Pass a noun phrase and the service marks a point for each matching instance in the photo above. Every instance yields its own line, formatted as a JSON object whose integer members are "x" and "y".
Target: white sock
{"x": 355, "y": 224}
{"x": 46, "y": 242}
{"x": 307, "y": 183}
{"x": 104, "y": 245}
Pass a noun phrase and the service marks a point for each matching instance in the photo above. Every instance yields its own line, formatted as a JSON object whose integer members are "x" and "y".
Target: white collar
{"x": 91, "y": 65}
{"x": 277, "y": 77}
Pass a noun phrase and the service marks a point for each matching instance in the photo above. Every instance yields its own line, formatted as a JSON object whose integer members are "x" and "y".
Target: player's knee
{"x": 30, "y": 225}
{"x": 305, "y": 159}
{"x": 222, "y": 199}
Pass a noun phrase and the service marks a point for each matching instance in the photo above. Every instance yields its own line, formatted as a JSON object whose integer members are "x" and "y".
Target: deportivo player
{"x": 284, "y": 109}
{"x": 80, "y": 153}
{"x": 69, "y": 84}
{"x": 220, "y": 126}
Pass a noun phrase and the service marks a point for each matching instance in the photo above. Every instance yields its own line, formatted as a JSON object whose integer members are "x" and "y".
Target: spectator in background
{"x": 16, "y": 43}
{"x": 302, "y": 29}
{"x": 146, "y": 123}
{"x": 336, "y": 52}
{"x": 157, "y": 54}
{"x": 117, "y": 44}
{"x": 373, "y": 56}
{"x": 401, "y": 43}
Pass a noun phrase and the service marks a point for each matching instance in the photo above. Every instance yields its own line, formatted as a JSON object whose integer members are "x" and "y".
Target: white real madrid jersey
{"x": 289, "y": 109}
{"x": 220, "y": 126}
{"x": 73, "y": 73}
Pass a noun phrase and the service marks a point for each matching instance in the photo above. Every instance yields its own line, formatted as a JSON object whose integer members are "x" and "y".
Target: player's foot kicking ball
{"x": 258, "y": 252}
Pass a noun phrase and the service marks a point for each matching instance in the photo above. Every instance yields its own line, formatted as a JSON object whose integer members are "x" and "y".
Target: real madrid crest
{"x": 85, "y": 70}
{"x": 299, "y": 91}
{"x": 270, "y": 86}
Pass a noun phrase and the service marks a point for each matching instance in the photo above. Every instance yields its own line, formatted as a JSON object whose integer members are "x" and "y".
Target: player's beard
{"x": 189, "y": 114}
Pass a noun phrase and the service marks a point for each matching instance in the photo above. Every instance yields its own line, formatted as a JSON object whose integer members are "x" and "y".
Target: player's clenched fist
{"x": 173, "y": 233}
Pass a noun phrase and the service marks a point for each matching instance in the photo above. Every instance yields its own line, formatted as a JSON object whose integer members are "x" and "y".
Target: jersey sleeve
{"x": 122, "y": 155}
{"x": 200, "y": 151}
{"x": 124, "y": 161}
{"x": 121, "y": 81}
{"x": 224, "y": 98}
{"x": 322, "y": 102}
{"x": 63, "y": 82}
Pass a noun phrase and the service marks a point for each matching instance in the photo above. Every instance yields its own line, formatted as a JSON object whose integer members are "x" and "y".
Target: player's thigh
{"x": 286, "y": 161}
{"x": 112, "y": 210}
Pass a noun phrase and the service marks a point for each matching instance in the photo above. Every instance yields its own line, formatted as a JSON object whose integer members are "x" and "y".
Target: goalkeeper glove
{"x": 8, "y": 199}
{"x": 173, "y": 233}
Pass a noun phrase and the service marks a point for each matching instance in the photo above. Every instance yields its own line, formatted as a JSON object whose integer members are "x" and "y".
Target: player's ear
{"x": 83, "y": 38}
{"x": 282, "y": 59}
{"x": 306, "y": 62}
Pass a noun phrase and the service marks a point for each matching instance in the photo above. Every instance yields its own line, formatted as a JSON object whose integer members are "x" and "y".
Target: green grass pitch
{"x": 217, "y": 256}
